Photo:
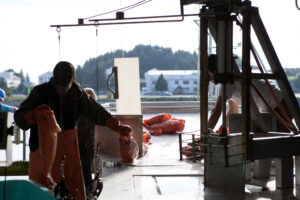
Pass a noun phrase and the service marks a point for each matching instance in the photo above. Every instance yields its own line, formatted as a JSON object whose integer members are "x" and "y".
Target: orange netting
{"x": 164, "y": 123}
{"x": 41, "y": 161}
{"x": 67, "y": 145}
{"x": 128, "y": 149}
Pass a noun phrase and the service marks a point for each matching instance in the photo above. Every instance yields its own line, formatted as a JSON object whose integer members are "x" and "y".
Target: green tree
{"x": 3, "y": 84}
{"x": 149, "y": 57}
{"x": 161, "y": 84}
{"x": 27, "y": 77}
{"x": 297, "y": 82}
{"x": 22, "y": 88}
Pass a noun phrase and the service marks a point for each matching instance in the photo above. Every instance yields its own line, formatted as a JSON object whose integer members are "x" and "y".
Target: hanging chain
{"x": 58, "y": 29}
{"x": 97, "y": 67}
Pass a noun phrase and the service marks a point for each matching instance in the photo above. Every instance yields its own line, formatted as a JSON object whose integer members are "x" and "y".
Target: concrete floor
{"x": 161, "y": 175}
{"x": 157, "y": 175}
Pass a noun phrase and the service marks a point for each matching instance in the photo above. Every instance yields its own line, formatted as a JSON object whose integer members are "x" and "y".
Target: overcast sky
{"x": 27, "y": 42}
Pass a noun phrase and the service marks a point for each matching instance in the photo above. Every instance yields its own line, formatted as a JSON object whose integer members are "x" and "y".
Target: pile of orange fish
{"x": 163, "y": 123}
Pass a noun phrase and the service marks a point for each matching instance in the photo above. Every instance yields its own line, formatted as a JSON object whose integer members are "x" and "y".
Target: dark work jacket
{"x": 66, "y": 109}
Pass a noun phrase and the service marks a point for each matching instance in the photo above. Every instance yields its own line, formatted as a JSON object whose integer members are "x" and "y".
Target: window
{"x": 195, "y": 82}
{"x": 186, "y": 82}
{"x": 177, "y": 82}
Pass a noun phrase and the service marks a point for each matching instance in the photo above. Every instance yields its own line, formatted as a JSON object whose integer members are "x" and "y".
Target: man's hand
{"x": 30, "y": 117}
{"x": 114, "y": 124}
{"x": 125, "y": 130}
{"x": 15, "y": 109}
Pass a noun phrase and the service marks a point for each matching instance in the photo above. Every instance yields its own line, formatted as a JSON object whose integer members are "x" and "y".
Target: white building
{"x": 186, "y": 80}
{"x": 11, "y": 79}
{"x": 213, "y": 91}
{"x": 43, "y": 78}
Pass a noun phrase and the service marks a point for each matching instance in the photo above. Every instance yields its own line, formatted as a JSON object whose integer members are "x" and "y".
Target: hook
{"x": 96, "y": 23}
{"x": 58, "y": 29}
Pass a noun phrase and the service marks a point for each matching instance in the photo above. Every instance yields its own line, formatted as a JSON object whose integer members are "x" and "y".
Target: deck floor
{"x": 161, "y": 175}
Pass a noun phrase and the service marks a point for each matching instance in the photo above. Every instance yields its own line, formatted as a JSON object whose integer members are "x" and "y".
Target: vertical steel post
{"x": 193, "y": 148}
{"x": 180, "y": 145}
{"x": 275, "y": 65}
{"x": 203, "y": 81}
{"x": 246, "y": 81}
{"x": 24, "y": 145}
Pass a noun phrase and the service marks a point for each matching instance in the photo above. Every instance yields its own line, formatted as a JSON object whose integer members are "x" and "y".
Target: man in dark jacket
{"x": 67, "y": 100}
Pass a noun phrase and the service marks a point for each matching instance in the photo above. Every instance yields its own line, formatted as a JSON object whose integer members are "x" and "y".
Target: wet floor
{"x": 161, "y": 175}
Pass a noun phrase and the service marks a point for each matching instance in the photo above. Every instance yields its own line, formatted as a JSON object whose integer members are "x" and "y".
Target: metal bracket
{"x": 116, "y": 92}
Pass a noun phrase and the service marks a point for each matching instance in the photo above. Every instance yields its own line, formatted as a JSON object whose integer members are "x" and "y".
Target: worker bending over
{"x": 233, "y": 97}
{"x": 62, "y": 95}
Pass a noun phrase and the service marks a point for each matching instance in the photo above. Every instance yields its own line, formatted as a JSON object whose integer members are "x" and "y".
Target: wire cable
{"x": 270, "y": 88}
{"x": 287, "y": 123}
{"x": 97, "y": 66}
{"x": 58, "y": 29}
{"x": 121, "y": 9}
{"x": 137, "y": 5}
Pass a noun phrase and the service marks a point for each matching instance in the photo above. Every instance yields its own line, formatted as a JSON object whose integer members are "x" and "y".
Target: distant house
{"x": 43, "y": 78}
{"x": 179, "y": 90}
{"x": 11, "y": 79}
{"x": 186, "y": 79}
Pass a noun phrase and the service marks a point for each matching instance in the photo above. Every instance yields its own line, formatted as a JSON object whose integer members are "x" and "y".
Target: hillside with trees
{"x": 149, "y": 57}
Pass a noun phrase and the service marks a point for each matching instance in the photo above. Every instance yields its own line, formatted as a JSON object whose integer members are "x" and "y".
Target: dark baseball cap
{"x": 63, "y": 73}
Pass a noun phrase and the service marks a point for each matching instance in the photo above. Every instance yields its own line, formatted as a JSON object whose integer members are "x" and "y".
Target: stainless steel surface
{"x": 224, "y": 163}
{"x": 177, "y": 179}
{"x": 109, "y": 139}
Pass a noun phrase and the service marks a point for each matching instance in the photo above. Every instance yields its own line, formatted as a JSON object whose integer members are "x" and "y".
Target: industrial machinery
{"x": 227, "y": 156}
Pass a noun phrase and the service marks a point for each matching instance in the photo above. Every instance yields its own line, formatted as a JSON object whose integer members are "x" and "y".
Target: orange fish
{"x": 157, "y": 119}
{"x": 170, "y": 126}
{"x": 128, "y": 149}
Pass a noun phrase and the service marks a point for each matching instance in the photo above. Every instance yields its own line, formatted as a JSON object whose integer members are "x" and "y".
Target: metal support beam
{"x": 284, "y": 172}
{"x": 204, "y": 79}
{"x": 246, "y": 80}
{"x": 275, "y": 147}
{"x": 275, "y": 64}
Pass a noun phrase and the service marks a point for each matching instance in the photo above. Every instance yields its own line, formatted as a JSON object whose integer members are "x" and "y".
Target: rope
{"x": 136, "y": 5}
{"x": 288, "y": 124}
{"x": 270, "y": 88}
{"x": 121, "y": 9}
{"x": 58, "y": 29}
{"x": 97, "y": 70}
